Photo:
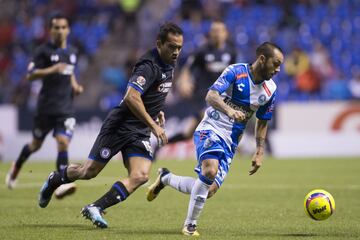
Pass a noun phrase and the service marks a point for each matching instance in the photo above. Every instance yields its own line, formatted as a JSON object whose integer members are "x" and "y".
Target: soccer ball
{"x": 319, "y": 204}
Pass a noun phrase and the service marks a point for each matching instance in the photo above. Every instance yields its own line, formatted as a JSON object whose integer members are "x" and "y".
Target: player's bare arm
{"x": 260, "y": 134}
{"x": 214, "y": 99}
{"x": 77, "y": 88}
{"x": 42, "y": 72}
{"x": 136, "y": 105}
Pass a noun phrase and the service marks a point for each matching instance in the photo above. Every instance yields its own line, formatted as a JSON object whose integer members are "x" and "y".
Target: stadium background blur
{"x": 318, "y": 111}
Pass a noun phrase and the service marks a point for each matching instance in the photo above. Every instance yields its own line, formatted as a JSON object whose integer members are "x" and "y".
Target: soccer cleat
{"x": 46, "y": 192}
{"x": 190, "y": 230}
{"x": 94, "y": 214}
{"x": 65, "y": 190}
{"x": 155, "y": 188}
{"x": 10, "y": 179}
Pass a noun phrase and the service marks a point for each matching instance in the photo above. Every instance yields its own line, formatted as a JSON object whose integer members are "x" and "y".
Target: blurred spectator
{"x": 321, "y": 62}
{"x": 338, "y": 89}
{"x": 297, "y": 65}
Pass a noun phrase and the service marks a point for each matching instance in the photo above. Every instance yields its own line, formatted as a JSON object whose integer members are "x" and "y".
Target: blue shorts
{"x": 209, "y": 145}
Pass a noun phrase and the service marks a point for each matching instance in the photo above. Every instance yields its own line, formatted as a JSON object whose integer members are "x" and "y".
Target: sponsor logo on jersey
{"x": 54, "y": 57}
{"x": 240, "y": 87}
{"x": 105, "y": 152}
{"x": 165, "y": 87}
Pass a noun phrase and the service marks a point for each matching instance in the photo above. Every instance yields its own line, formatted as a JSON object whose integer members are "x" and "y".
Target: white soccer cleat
{"x": 65, "y": 190}
{"x": 10, "y": 179}
{"x": 10, "y": 183}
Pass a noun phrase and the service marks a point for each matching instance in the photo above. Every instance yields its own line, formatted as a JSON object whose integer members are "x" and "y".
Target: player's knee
{"x": 35, "y": 145}
{"x": 62, "y": 144}
{"x": 139, "y": 178}
{"x": 210, "y": 172}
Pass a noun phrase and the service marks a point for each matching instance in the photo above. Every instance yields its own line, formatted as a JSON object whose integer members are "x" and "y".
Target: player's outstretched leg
{"x": 94, "y": 214}
{"x": 190, "y": 230}
{"x": 10, "y": 179}
{"x": 157, "y": 186}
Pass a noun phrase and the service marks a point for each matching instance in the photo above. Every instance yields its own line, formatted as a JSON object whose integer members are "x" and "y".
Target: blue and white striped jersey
{"x": 239, "y": 92}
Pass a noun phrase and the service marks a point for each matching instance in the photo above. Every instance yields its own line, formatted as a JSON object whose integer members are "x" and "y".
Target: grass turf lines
{"x": 267, "y": 205}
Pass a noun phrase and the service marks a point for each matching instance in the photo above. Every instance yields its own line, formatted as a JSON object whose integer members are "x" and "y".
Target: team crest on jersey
{"x": 73, "y": 58}
{"x": 208, "y": 143}
{"x": 141, "y": 80}
{"x": 214, "y": 115}
{"x": 261, "y": 99}
{"x": 37, "y": 132}
{"x": 105, "y": 152}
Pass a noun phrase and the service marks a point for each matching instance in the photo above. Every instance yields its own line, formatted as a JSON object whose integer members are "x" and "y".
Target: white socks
{"x": 180, "y": 183}
{"x": 198, "y": 197}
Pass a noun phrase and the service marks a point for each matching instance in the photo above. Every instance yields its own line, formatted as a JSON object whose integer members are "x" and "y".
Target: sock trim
{"x": 205, "y": 180}
{"x": 119, "y": 186}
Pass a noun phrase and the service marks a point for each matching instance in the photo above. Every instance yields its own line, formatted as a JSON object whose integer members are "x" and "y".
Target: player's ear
{"x": 262, "y": 59}
{"x": 158, "y": 43}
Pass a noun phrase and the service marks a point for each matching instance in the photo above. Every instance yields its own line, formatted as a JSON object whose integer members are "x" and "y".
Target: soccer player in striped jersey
{"x": 241, "y": 90}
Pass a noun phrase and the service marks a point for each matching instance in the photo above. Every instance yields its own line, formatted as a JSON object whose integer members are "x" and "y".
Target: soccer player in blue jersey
{"x": 241, "y": 90}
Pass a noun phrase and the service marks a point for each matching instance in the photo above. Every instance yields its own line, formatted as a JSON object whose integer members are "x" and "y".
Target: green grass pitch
{"x": 267, "y": 205}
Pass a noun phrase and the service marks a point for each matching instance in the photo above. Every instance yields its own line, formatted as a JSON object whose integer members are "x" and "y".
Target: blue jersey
{"x": 241, "y": 93}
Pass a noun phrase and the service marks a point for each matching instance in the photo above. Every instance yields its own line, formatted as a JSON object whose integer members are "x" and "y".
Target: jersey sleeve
{"x": 143, "y": 77}
{"x": 265, "y": 112}
{"x": 38, "y": 61}
{"x": 226, "y": 78}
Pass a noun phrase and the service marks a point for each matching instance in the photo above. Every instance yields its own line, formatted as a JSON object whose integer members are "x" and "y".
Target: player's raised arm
{"x": 260, "y": 134}
{"x": 136, "y": 105}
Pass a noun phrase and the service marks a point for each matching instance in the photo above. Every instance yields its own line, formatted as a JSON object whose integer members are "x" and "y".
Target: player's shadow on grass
{"x": 111, "y": 230}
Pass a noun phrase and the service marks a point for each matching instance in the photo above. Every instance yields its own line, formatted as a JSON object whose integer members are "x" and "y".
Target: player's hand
{"x": 186, "y": 89}
{"x": 160, "y": 134}
{"x": 161, "y": 119}
{"x": 59, "y": 68}
{"x": 256, "y": 162}
{"x": 78, "y": 89}
{"x": 238, "y": 116}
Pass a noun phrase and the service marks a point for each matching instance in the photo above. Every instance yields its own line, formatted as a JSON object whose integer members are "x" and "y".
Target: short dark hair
{"x": 167, "y": 28}
{"x": 58, "y": 16}
{"x": 267, "y": 49}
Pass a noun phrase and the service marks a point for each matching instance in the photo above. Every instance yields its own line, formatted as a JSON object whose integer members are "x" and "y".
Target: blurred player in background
{"x": 241, "y": 90}
{"x": 127, "y": 128}
{"x": 200, "y": 71}
{"x": 54, "y": 64}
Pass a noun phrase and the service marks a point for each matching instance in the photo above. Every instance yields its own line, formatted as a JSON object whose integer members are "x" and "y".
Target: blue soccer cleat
{"x": 46, "y": 192}
{"x": 94, "y": 214}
